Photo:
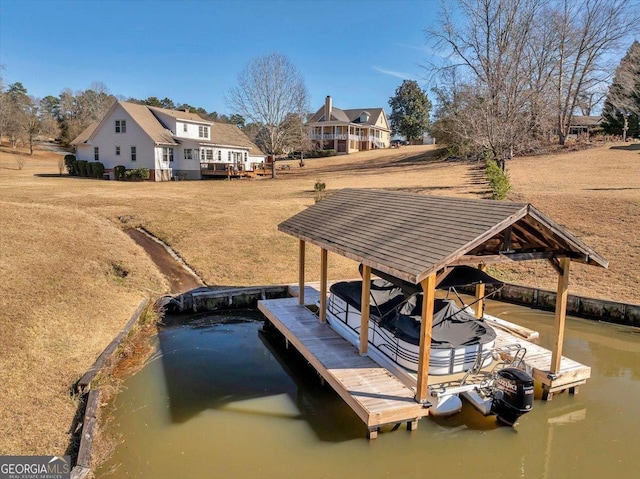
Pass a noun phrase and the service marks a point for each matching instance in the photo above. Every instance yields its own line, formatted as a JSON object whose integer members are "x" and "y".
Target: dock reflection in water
{"x": 222, "y": 399}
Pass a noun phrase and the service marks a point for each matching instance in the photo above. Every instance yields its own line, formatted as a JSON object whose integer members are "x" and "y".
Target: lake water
{"x": 222, "y": 399}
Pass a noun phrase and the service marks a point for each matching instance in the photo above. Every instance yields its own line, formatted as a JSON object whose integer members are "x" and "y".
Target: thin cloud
{"x": 426, "y": 50}
{"x": 397, "y": 74}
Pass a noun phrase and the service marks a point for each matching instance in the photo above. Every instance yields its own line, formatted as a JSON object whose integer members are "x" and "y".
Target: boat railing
{"x": 508, "y": 355}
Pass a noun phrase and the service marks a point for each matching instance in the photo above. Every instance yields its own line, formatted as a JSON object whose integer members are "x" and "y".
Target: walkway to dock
{"x": 375, "y": 395}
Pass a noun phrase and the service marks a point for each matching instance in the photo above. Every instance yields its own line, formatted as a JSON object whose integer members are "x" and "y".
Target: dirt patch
{"x": 179, "y": 278}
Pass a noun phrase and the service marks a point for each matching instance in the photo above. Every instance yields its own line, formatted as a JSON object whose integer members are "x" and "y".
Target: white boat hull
{"x": 386, "y": 347}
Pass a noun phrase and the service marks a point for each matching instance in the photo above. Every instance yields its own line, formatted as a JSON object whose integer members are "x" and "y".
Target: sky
{"x": 357, "y": 51}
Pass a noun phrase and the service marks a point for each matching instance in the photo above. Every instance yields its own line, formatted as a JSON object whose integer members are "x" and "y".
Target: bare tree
{"x": 525, "y": 67}
{"x": 587, "y": 31}
{"x": 492, "y": 48}
{"x": 30, "y": 121}
{"x": 266, "y": 91}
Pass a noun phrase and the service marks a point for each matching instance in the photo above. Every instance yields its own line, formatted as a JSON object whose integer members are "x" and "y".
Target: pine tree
{"x": 621, "y": 112}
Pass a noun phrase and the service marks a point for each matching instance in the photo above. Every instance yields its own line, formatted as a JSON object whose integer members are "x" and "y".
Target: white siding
{"x": 193, "y": 130}
{"x": 106, "y": 139}
{"x": 167, "y": 121}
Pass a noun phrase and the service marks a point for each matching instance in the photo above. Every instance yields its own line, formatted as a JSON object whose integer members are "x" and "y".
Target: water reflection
{"x": 225, "y": 399}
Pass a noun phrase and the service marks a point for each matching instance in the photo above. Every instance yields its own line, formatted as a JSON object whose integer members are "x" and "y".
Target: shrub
{"x": 97, "y": 169}
{"x": 82, "y": 168}
{"x": 138, "y": 174}
{"x": 319, "y": 188}
{"x": 119, "y": 172}
{"x": 143, "y": 173}
{"x": 320, "y": 153}
{"x": 499, "y": 181}
{"x": 69, "y": 160}
{"x": 76, "y": 168}
{"x": 325, "y": 153}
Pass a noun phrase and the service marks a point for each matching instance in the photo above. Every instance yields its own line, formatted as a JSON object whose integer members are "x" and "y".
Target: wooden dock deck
{"x": 374, "y": 394}
{"x": 571, "y": 375}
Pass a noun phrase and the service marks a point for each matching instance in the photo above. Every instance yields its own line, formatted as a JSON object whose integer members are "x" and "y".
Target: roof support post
{"x": 301, "y": 259}
{"x": 561, "y": 313}
{"x": 365, "y": 308}
{"x": 480, "y": 294}
{"x": 429, "y": 288}
{"x": 323, "y": 286}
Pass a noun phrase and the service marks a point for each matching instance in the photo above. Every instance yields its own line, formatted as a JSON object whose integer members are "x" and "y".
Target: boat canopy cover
{"x": 466, "y": 276}
{"x": 385, "y": 296}
{"x": 452, "y": 326}
{"x": 459, "y": 276}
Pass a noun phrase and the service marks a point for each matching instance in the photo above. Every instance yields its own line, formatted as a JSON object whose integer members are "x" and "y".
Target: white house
{"x": 171, "y": 143}
{"x": 348, "y": 131}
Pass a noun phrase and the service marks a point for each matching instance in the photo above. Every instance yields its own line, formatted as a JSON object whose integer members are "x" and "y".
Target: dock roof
{"x": 412, "y": 236}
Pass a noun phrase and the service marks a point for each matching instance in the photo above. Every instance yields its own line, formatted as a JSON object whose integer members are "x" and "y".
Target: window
{"x": 202, "y": 154}
{"x": 203, "y": 131}
{"x": 219, "y": 155}
{"x": 96, "y": 153}
{"x": 121, "y": 126}
{"x": 209, "y": 154}
{"x": 117, "y": 151}
{"x": 184, "y": 127}
{"x": 167, "y": 154}
{"x": 246, "y": 156}
{"x": 188, "y": 154}
{"x": 133, "y": 154}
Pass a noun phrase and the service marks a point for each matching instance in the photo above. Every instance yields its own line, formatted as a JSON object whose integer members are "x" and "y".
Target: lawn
{"x": 62, "y": 249}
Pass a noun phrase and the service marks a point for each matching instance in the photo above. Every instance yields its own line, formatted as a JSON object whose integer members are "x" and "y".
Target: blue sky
{"x": 357, "y": 51}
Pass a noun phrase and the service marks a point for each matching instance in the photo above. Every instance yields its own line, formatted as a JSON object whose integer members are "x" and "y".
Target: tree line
{"x": 519, "y": 71}
{"x": 24, "y": 117}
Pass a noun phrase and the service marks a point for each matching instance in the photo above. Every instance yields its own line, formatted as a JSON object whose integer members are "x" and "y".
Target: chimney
{"x": 327, "y": 109}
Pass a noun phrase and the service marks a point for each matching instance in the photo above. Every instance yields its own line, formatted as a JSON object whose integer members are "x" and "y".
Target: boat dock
{"x": 570, "y": 376}
{"x": 374, "y": 394}
{"x": 377, "y": 396}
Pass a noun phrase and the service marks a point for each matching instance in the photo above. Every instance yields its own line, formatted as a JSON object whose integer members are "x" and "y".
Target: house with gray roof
{"x": 171, "y": 143}
{"x": 348, "y": 131}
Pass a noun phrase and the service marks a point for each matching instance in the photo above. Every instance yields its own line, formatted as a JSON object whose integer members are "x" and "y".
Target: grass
{"x": 62, "y": 250}
{"x": 62, "y": 304}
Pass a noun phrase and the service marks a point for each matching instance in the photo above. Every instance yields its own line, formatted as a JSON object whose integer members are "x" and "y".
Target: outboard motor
{"x": 512, "y": 395}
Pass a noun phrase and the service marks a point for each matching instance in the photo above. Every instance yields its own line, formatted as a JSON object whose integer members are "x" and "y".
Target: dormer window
{"x": 121, "y": 126}
{"x": 364, "y": 117}
{"x": 203, "y": 131}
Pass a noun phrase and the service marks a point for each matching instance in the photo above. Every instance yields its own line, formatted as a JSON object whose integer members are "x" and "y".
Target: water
{"x": 222, "y": 399}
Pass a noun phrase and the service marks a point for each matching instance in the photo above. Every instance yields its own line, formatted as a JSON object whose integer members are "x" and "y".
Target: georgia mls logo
{"x": 35, "y": 467}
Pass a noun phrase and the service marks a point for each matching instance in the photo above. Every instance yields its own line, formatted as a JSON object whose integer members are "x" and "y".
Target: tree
{"x": 410, "y": 109}
{"x": 266, "y": 91}
{"x": 15, "y": 111}
{"x": 167, "y": 103}
{"x": 524, "y": 65}
{"x": 77, "y": 110}
{"x": 586, "y": 32}
{"x": 30, "y": 121}
{"x": 494, "y": 57}
{"x": 621, "y": 111}
{"x": 49, "y": 115}
{"x": 237, "y": 120}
